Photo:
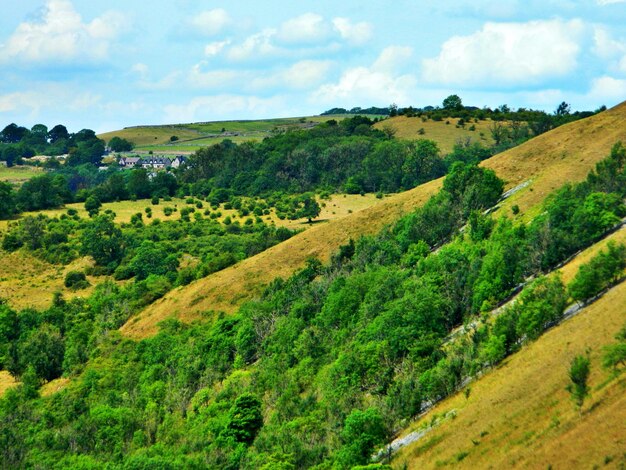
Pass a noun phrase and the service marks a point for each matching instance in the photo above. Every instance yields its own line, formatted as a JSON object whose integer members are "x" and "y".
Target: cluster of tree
{"x": 17, "y": 142}
{"x": 348, "y": 156}
{"x": 372, "y": 110}
{"x": 119, "y": 144}
{"x": 138, "y": 249}
{"x": 323, "y": 366}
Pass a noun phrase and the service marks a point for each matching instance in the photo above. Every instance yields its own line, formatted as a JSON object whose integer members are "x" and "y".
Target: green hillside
{"x": 316, "y": 349}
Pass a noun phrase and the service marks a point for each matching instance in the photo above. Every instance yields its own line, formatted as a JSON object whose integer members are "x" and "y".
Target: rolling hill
{"x": 536, "y": 167}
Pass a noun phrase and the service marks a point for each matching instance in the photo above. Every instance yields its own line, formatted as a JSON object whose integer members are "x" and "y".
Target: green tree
{"x": 43, "y": 349}
{"x": 118, "y": 144}
{"x": 309, "y": 207}
{"x": 92, "y": 205}
{"x": 453, "y": 103}
{"x": 615, "y": 354}
{"x": 245, "y": 419}
{"x": 103, "y": 241}
{"x": 579, "y": 376}
{"x": 7, "y": 200}
{"x": 362, "y": 431}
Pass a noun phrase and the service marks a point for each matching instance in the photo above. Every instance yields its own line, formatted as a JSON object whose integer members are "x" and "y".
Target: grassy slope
{"x": 520, "y": 415}
{"x": 565, "y": 154}
{"x": 446, "y": 135}
{"x": 26, "y": 281}
{"x": 196, "y": 135}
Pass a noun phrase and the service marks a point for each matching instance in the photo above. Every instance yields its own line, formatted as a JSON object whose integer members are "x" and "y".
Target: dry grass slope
{"x": 521, "y": 416}
{"x": 566, "y": 154}
{"x": 446, "y": 135}
{"x": 26, "y": 281}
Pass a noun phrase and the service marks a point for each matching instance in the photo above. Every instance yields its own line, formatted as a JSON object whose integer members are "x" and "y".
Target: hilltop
{"x": 565, "y": 154}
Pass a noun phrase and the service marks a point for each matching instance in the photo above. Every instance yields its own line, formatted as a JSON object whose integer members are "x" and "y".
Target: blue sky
{"x": 108, "y": 64}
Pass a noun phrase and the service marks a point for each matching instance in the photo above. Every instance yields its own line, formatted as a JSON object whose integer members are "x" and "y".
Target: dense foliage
{"x": 18, "y": 142}
{"x": 321, "y": 369}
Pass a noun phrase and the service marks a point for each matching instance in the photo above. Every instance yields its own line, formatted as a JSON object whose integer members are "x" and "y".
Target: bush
{"x": 76, "y": 280}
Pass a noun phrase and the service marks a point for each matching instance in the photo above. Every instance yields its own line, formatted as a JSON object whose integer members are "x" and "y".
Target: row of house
{"x": 151, "y": 162}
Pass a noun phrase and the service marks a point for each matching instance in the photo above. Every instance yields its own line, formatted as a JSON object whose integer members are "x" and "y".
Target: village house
{"x": 151, "y": 162}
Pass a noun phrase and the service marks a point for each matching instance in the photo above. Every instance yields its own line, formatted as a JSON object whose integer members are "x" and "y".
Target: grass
{"x": 566, "y": 154}
{"x": 446, "y": 135}
{"x": 520, "y": 413}
{"x": 18, "y": 174}
{"x": 194, "y": 136}
{"x": 26, "y": 281}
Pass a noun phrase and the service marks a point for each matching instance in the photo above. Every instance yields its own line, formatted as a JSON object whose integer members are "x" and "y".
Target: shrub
{"x": 76, "y": 280}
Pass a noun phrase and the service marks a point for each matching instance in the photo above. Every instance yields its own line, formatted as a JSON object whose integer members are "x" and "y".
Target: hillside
{"x": 567, "y": 153}
{"x": 520, "y": 414}
{"x": 193, "y": 136}
{"x": 446, "y": 133}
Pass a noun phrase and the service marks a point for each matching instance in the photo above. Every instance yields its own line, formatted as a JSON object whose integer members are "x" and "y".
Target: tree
{"x": 119, "y": 144}
{"x": 139, "y": 184}
{"x": 579, "y": 375}
{"x": 453, "y": 103}
{"x": 92, "y": 205}
{"x": 43, "y": 349}
{"x": 12, "y": 134}
{"x": 309, "y": 209}
{"x": 103, "y": 241}
{"x": 563, "y": 109}
{"x": 245, "y": 419}
{"x": 362, "y": 431}
{"x": 7, "y": 201}
{"x": 58, "y": 132}
{"x": 615, "y": 354}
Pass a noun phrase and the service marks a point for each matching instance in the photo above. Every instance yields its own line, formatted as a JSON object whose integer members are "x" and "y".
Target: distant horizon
{"x": 106, "y": 65}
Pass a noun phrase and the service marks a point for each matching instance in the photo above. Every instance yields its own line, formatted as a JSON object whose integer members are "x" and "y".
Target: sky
{"x": 108, "y": 64}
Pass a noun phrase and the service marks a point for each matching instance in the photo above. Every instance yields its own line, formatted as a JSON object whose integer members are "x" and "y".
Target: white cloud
{"x": 353, "y": 33}
{"x": 215, "y": 48}
{"x": 504, "y": 54}
{"x": 308, "y": 28}
{"x": 605, "y": 46}
{"x": 60, "y": 35}
{"x": 378, "y": 84}
{"x": 393, "y": 58}
{"x": 211, "y": 22}
{"x": 214, "y": 79}
{"x": 306, "y": 73}
{"x": 302, "y": 75}
{"x": 608, "y": 88}
{"x": 217, "y": 107}
{"x": 252, "y": 47}
{"x": 32, "y": 103}
{"x": 140, "y": 69}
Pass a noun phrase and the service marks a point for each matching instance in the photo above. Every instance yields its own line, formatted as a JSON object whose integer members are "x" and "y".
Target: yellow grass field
{"x": 446, "y": 135}
{"x": 520, "y": 415}
{"x": 26, "y": 281}
{"x": 565, "y": 154}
